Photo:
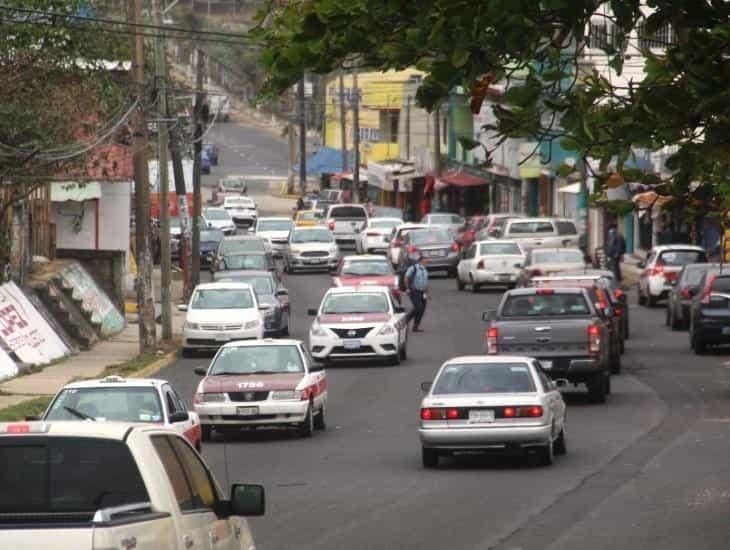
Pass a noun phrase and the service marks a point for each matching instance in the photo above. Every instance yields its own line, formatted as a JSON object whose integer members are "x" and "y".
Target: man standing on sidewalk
{"x": 616, "y": 250}
{"x": 416, "y": 281}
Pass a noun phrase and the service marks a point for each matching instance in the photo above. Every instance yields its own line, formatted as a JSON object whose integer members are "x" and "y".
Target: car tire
{"x": 616, "y": 363}
{"x": 451, "y": 272}
{"x": 560, "y": 448}
{"x": 186, "y": 353}
{"x": 597, "y": 387}
{"x": 394, "y": 360}
{"x": 699, "y": 346}
{"x": 320, "y": 421}
{"x": 641, "y": 300}
{"x": 651, "y": 301}
{"x": 429, "y": 457}
{"x": 286, "y": 330}
{"x": 206, "y": 432}
{"x": 403, "y": 353}
{"x": 547, "y": 454}
{"x": 475, "y": 287}
{"x": 667, "y": 315}
{"x": 306, "y": 428}
{"x": 674, "y": 324}
{"x": 459, "y": 283}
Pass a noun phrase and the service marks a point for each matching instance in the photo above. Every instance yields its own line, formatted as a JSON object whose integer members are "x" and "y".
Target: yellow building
{"x": 384, "y": 97}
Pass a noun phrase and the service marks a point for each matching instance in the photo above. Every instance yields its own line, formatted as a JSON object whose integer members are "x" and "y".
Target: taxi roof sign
{"x": 16, "y": 428}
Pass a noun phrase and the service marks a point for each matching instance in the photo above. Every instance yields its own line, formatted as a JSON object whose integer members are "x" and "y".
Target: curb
{"x": 157, "y": 366}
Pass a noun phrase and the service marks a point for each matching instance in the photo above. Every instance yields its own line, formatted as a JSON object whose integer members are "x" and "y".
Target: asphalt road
{"x": 647, "y": 470}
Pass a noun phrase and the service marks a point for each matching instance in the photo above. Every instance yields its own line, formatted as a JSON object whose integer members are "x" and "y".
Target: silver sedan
{"x": 480, "y": 403}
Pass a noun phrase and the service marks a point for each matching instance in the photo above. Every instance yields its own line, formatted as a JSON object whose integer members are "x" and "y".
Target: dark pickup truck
{"x": 562, "y": 328}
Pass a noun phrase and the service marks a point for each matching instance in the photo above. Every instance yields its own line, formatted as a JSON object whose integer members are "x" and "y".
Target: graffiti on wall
{"x": 94, "y": 299}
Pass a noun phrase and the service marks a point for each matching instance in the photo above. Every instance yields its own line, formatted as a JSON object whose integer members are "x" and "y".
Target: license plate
{"x": 725, "y": 331}
{"x": 315, "y": 261}
{"x": 222, "y": 338}
{"x": 504, "y": 277}
{"x": 351, "y": 344}
{"x": 247, "y": 411}
{"x": 433, "y": 253}
{"x": 547, "y": 365}
{"x": 481, "y": 416}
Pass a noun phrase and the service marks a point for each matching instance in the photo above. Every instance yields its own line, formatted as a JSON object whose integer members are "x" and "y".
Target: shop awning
{"x": 646, "y": 200}
{"x": 572, "y": 188}
{"x": 327, "y": 161}
{"x": 62, "y": 191}
{"x": 461, "y": 179}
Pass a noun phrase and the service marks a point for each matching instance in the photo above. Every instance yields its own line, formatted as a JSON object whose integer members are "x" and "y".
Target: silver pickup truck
{"x": 562, "y": 328}
{"x": 537, "y": 232}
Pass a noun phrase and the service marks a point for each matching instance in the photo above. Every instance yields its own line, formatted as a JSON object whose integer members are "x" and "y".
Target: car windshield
{"x": 111, "y": 403}
{"x": 222, "y": 298}
{"x": 348, "y": 212}
{"x": 56, "y": 475}
{"x": 211, "y": 235}
{"x": 232, "y": 185}
{"x": 257, "y": 359}
{"x": 312, "y": 236}
{"x": 364, "y": 302}
{"x": 274, "y": 225}
{"x": 493, "y": 249}
{"x": 545, "y": 305}
{"x": 422, "y": 237}
{"x": 245, "y": 261}
{"x": 485, "y": 378}
{"x": 217, "y": 215}
{"x": 557, "y": 257}
{"x": 261, "y": 285}
{"x": 367, "y": 267}
{"x": 681, "y": 257}
{"x": 236, "y": 246}
{"x": 384, "y": 224}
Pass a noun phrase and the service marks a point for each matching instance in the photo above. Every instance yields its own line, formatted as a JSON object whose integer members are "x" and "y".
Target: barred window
{"x": 598, "y": 35}
{"x": 662, "y": 38}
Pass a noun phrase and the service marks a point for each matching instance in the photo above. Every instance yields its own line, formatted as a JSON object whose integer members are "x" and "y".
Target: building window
{"x": 662, "y": 38}
{"x": 598, "y": 35}
{"x": 389, "y": 119}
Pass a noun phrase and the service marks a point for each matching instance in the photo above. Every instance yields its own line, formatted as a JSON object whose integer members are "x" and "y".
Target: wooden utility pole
{"x": 408, "y": 127}
{"x": 437, "y": 140}
{"x": 162, "y": 144}
{"x": 302, "y": 119}
{"x": 343, "y": 123}
{"x": 197, "y": 154}
{"x": 356, "y": 138}
{"x": 291, "y": 134}
{"x": 145, "y": 302}
{"x": 183, "y": 209}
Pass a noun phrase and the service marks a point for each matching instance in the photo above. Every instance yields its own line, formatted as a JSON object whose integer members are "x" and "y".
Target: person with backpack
{"x": 416, "y": 283}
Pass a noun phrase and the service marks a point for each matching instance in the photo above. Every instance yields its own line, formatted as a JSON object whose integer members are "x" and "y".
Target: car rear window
{"x": 429, "y": 236}
{"x": 693, "y": 274}
{"x": 348, "y": 212}
{"x": 545, "y": 305}
{"x": 52, "y": 475}
{"x": 721, "y": 285}
{"x": 237, "y": 246}
{"x": 557, "y": 257}
{"x": 245, "y": 261}
{"x": 485, "y": 378}
{"x": 527, "y": 228}
{"x": 566, "y": 228}
{"x": 110, "y": 403}
{"x": 491, "y": 249}
{"x": 367, "y": 267}
{"x": 681, "y": 257}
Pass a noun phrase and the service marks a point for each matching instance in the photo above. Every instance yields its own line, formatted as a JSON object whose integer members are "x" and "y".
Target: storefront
{"x": 396, "y": 184}
{"x": 461, "y": 192}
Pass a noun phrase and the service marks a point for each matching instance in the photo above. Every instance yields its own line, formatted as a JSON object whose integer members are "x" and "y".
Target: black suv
{"x": 710, "y": 313}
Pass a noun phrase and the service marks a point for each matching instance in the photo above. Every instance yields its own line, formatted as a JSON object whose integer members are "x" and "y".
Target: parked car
{"x": 543, "y": 262}
{"x": 562, "y": 328}
{"x": 99, "y": 485}
{"x": 210, "y": 239}
{"x": 262, "y": 384}
{"x": 683, "y": 290}
{"x": 211, "y": 150}
{"x": 308, "y": 218}
{"x": 367, "y": 270}
{"x": 205, "y": 162}
{"x": 710, "y": 313}
{"x": 479, "y": 403}
{"x": 452, "y": 222}
{"x": 117, "y": 399}
{"x": 395, "y": 246}
{"x": 276, "y": 231}
{"x": 311, "y": 248}
{"x": 436, "y": 244}
{"x": 345, "y": 221}
{"x": 661, "y": 267}
{"x": 538, "y": 232}
{"x": 242, "y": 209}
{"x": 487, "y": 263}
{"x": 375, "y": 236}
{"x": 219, "y": 218}
{"x": 269, "y": 290}
{"x": 220, "y": 312}
{"x": 241, "y": 245}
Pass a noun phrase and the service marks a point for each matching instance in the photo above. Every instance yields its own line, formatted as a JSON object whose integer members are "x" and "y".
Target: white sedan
{"x": 219, "y": 218}
{"x": 359, "y": 323}
{"x": 480, "y": 403}
{"x": 375, "y": 236}
{"x": 490, "y": 263}
{"x": 243, "y": 210}
{"x": 221, "y": 312}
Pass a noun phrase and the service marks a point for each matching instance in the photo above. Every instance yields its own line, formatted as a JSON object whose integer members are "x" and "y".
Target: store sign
{"x": 24, "y": 331}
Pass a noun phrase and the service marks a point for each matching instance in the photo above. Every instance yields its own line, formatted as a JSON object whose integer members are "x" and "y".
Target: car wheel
{"x": 306, "y": 428}
{"x": 206, "y": 431}
{"x": 641, "y": 300}
{"x": 286, "y": 330}
{"x": 187, "y": 353}
{"x": 459, "y": 283}
{"x": 616, "y": 363}
{"x": 674, "y": 324}
{"x": 651, "y": 301}
{"x": 404, "y": 351}
{"x": 475, "y": 287}
{"x": 394, "y": 360}
{"x": 429, "y": 457}
{"x": 320, "y": 421}
{"x": 667, "y": 315}
{"x": 699, "y": 346}
{"x": 547, "y": 454}
{"x": 597, "y": 388}
{"x": 560, "y": 447}
{"x": 451, "y": 272}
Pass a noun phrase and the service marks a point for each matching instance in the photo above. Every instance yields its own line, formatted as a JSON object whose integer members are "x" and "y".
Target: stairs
{"x": 69, "y": 315}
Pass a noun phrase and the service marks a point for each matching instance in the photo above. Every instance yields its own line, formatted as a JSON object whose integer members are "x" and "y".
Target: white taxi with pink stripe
{"x": 359, "y": 322}
{"x": 117, "y": 399}
{"x": 261, "y": 383}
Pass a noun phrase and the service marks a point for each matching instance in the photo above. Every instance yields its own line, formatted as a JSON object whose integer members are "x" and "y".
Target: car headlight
{"x": 212, "y": 397}
{"x": 317, "y": 330}
{"x": 294, "y": 251}
{"x": 387, "y": 330}
{"x": 191, "y": 326}
{"x": 290, "y": 395}
{"x": 251, "y": 324}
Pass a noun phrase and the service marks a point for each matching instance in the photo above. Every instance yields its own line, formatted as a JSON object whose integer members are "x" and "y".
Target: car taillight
{"x": 594, "y": 340}
{"x": 658, "y": 269}
{"x": 437, "y": 413}
{"x": 670, "y": 275}
{"x": 708, "y": 290}
{"x": 492, "y": 337}
{"x": 331, "y": 225}
{"x": 454, "y": 247}
{"x": 685, "y": 293}
{"x": 534, "y": 411}
{"x": 535, "y": 273}
{"x": 372, "y": 234}
{"x": 480, "y": 265}
{"x": 411, "y": 250}
{"x": 452, "y": 414}
{"x": 618, "y": 311}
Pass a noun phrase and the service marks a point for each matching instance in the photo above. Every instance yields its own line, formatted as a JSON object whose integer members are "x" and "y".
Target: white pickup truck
{"x": 346, "y": 221}
{"x": 107, "y": 485}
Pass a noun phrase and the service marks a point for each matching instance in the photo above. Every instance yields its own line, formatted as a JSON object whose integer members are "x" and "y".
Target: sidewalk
{"x": 630, "y": 270}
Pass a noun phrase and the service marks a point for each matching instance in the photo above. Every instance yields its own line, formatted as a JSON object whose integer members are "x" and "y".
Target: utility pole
{"x": 162, "y": 144}
{"x": 437, "y": 140}
{"x": 408, "y": 127}
{"x": 197, "y": 153}
{"x": 343, "y": 123}
{"x": 356, "y": 137}
{"x": 145, "y": 302}
{"x": 183, "y": 209}
{"x": 291, "y": 134}
{"x": 302, "y": 119}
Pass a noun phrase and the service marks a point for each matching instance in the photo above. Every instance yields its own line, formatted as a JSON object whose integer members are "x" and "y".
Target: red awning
{"x": 462, "y": 179}
{"x": 428, "y": 187}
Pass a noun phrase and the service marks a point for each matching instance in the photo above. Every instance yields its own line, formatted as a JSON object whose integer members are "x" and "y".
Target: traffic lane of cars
{"x": 364, "y": 472}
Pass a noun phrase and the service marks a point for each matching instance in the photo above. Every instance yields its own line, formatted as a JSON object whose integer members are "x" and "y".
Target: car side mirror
{"x": 247, "y": 500}
{"x": 182, "y": 307}
{"x": 312, "y": 312}
{"x": 561, "y": 383}
{"x": 200, "y": 371}
{"x": 489, "y": 315}
{"x": 179, "y": 416}
{"x": 426, "y": 386}
{"x": 641, "y": 265}
{"x": 400, "y": 309}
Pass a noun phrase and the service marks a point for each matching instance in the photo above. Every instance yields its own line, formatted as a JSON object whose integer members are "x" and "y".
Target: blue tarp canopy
{"x": 327, "y": 161}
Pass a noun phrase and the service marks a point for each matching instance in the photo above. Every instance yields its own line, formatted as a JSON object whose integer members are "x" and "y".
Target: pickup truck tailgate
{"x": 545, "y": 337}
{"x": 41, "y": 537}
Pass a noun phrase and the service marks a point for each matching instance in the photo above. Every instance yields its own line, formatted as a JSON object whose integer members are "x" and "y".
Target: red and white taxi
{"x": 262, "y": 383}
{"x": 367, "y": 270}
{"x": 117, "y": 399}
{"x": 359, "y": 322}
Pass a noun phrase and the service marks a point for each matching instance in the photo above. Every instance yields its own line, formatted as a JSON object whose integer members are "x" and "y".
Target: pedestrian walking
{"x": 416, "y": 282}
{"x": 616, "y": 250}
{"x": 300, "y": 203}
